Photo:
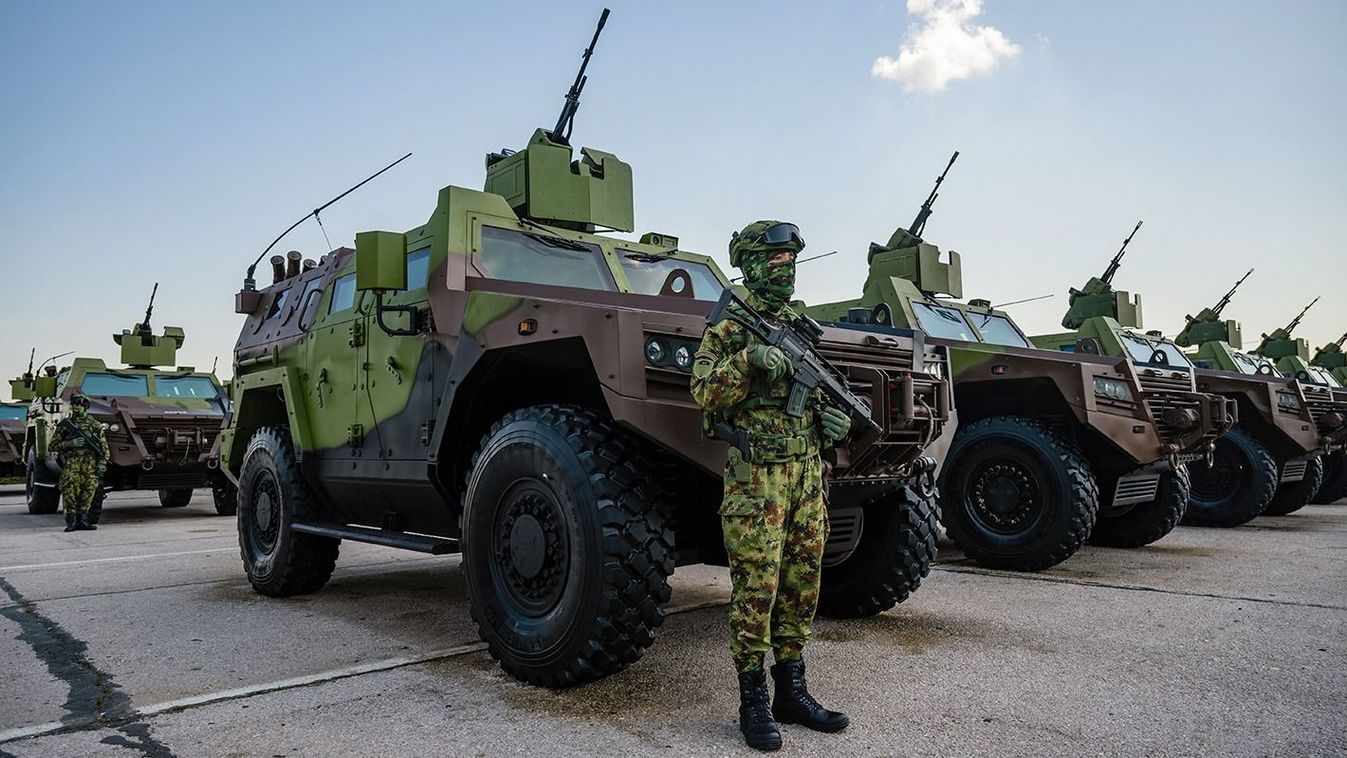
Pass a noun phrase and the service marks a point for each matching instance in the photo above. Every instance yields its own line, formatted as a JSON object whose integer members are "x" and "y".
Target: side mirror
{"x": 44, "y": 386}
{"x": 380, "y": 261}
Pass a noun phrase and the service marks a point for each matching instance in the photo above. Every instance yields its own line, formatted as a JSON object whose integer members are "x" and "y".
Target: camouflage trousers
{"x": 79, "y": 482}
{"x": 775, "y": 524}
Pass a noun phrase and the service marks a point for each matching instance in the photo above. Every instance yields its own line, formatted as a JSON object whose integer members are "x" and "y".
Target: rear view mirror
{"x": 380, "y": 261}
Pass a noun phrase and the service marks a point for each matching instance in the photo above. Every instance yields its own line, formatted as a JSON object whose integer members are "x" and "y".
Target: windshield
{"x": 12, "y": 413}
{"x": 184, "y": 386}
{"x": 998, "y": 330}
{"x": 649, "y": 274}
{"x": 944, "y": 323}
{"x": 1153, "y": 351}
{"x": 543, "y": 259}
{"x": 115, "y": 385}
{"x": 1248, "y": 364}
{"x": 1316, "y": 375}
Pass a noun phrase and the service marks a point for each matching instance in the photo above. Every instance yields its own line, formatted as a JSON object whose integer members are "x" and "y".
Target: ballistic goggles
{"x": 777, "y": 234}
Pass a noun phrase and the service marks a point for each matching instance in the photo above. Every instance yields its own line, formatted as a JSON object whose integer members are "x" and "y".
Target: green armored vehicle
{"x": 509, "y": 381}
{"x": 1052, "y": 448}
{"x": 163, "y": 424}
{"x": 12, "y": 421}
{"x": 1334, "y": 488}
{"x": 1324, "y": 394}
{"x": 1270, "y": 463}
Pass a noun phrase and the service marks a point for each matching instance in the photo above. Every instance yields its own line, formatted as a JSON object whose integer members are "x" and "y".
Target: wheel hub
{"x": 532, "y": 553}
{"x": 262, "y": 511}
{"x": 1003, "y": 496}
{"x": 1217, "y": 483}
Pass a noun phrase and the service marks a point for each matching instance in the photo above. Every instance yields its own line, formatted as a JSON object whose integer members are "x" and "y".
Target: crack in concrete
{"x": 1130, "y": 587}
{"x": 94, "y": 697}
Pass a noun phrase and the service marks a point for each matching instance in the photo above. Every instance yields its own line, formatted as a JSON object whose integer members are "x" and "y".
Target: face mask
{"x": 773, "y": 284}
{"x": 77, "y": 411}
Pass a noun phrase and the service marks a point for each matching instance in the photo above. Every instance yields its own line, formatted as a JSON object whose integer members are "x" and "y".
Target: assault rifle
{"x": 797, "y": 339}
{"x": 96, "y": 448}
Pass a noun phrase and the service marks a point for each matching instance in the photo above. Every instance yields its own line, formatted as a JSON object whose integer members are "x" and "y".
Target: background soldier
{"x": 773, "y": 513}
{"x": 83, "y": 448}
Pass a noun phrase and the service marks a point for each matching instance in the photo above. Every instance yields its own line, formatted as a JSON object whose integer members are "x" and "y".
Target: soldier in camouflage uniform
{"x": 773, "y": 513}
{"x": 83, "y": 447}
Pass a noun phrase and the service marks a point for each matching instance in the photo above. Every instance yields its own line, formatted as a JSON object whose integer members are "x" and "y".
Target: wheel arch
{"x": 267, "y": 398}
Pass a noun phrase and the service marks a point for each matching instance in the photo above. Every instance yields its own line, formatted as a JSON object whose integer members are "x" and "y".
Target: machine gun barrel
{"x": 812, "y": 371}
{"x": 1296, "y": 321}
{"x": 562, "y": 131}
{"x": 1112, "y": 269}
{"x": 1226, "y": 300}
{"x": 143, "y": 328}
{"x": 919, "y": 223}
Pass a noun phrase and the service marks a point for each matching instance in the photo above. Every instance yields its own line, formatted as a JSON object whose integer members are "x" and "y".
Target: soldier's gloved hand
{"x": 770, "y": 360}
{"x": 834, "y": 423}
{"x": 101, "y": 469}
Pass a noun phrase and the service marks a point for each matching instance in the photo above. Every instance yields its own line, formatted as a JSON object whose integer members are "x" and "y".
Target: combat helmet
{"x": 761, "y": 236}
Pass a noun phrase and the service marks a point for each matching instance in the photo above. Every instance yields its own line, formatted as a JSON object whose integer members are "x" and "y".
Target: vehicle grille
{"x": 1164, "y": 392}
{"x": 184, "y": 438}
{"x": 1322, "y": 407}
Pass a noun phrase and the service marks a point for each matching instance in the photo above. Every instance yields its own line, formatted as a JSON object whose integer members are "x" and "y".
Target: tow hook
{"x": 924, "y": 469}
{"x": 1211, "y": 454}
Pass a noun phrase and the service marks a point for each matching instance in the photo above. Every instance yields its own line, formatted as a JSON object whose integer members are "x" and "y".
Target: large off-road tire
{"x": 1143, "y": 523}
{"x": 40, "y": 499}
{"x": 1292, "y": 496}
{"x": 896, "y": 549}
{"x": 177, "y": 497}
{"x": 226, "y": 497}
{"x": 279, "y": 561}
{"x": 1017, "y": 495}
{"x": 1237, "y": 487}
{"x": 567, "y": 548}
{"x": 1334, "y": 487}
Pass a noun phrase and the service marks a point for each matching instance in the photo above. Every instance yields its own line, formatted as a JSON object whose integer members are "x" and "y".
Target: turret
{"x": 1098, "y": 298}
{"x": 142, "y": 348}
{"x": 1207, "y": 325}
{"x": 543, "y": 182}
{"x": 1280, "y": 343}
{"x": 907, "y": 256}
{"x": 1331, "y": 356}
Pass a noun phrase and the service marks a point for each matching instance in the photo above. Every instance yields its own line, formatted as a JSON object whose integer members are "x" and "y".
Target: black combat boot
{"x": 70, "y": 522}
{"x": 794, "y": 705}
{"x": 755, "y": 712}
{"x": 83, "y": 524}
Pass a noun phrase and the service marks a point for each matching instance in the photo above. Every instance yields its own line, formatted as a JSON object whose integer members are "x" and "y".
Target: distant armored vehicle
{"x": 163, "y": 424}
{"x": 1052, "y": 448}
{"x": 509, "y": 383}
{"x": 12, "y": 421}
{"x": 1334, "y": 488}
{"x": 1325, "y": 396}
{"x": 1266, "y": 464}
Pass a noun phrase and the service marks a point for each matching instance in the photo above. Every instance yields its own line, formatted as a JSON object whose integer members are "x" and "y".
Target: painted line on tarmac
{"x": 238, "y": 693}
{"x": 120, "y": 559}
{"x": 1131, "y": 587}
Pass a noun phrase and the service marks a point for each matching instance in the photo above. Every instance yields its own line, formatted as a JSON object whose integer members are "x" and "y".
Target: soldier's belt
{"x": 778, "y": 448}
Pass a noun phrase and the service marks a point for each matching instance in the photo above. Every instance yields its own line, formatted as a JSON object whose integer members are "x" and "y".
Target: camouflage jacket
{"x": 728, "y": 388}
{"x": 68, "y": 441}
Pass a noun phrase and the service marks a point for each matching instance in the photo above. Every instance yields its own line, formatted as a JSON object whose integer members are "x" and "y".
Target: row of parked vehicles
{"x": 509, "y": 381}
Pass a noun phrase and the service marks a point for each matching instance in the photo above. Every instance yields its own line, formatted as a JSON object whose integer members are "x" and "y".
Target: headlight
{"x": 683, "y": 357}
{"x": 1114, "y": 389}
{"x": 114, "y": 428}
{"x": 655, "y": 351}
{"x": 1288, "y": 400}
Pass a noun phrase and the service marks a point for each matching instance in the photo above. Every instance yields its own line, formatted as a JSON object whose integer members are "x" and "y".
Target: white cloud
{"x": 944, "y": 47}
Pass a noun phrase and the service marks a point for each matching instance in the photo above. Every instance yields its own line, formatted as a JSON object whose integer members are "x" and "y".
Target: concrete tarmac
{"x": 144, "y": 639}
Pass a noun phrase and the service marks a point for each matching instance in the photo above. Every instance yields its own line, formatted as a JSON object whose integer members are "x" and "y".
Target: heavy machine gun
{"x": 561, "y": 133}
{"x": 1207, "y": 326}
{"x": 919, "y": 223}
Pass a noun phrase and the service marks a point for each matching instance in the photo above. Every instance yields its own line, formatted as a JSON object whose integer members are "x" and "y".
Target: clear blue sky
{"x": 171, "y": 141}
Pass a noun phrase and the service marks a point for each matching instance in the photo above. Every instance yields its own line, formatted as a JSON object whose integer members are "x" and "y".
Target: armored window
{"x": 999, "y": 330}
{"x": 343, "y": 294}
{"x": 944, "y": 323}
{"x": 649, "y": 273}
{"x": 278, "y": 304}
{"x": 543, "y": 259}
{"x": 12, "y": 413}
{"x": 115, "y": 385}
{"x": 1154, "y": 352}
{"x": 1249, "y": 365}
{"x": 418, "y": 269}
{"x": 185, "y": 387}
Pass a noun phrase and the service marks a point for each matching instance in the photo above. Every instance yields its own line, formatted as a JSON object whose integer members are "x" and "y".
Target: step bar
{"x": 421, "y": 543}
